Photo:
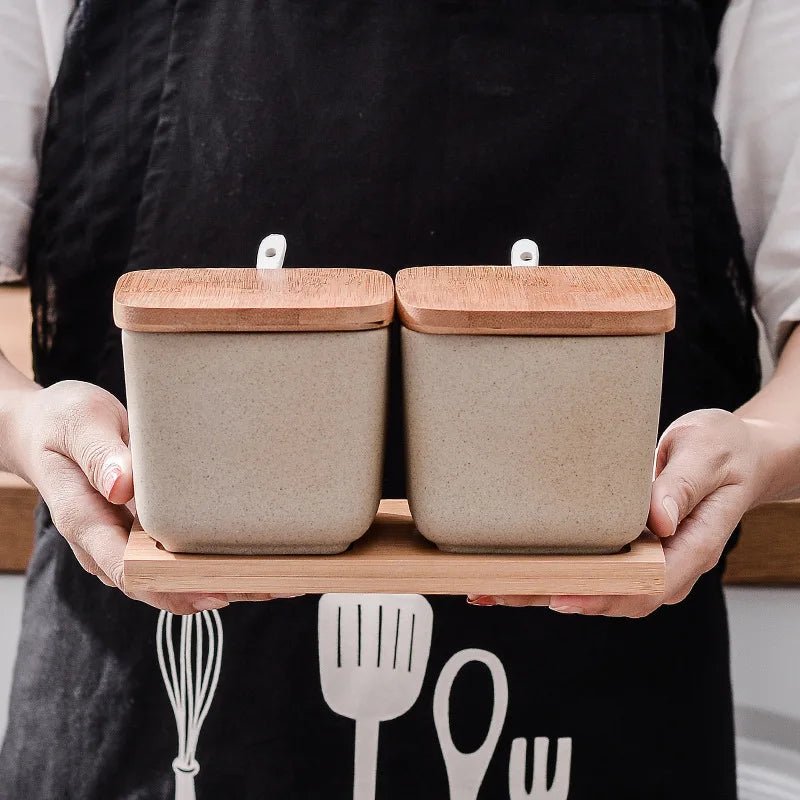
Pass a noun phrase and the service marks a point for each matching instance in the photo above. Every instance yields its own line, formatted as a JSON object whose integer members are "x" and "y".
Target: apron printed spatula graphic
{"x": 373, "y": 653}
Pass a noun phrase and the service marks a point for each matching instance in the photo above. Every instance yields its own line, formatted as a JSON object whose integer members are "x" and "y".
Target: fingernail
{"x": 209, "y": 604}
{"x": 284, "y": 596}
{"x": 110, "y": 477}
{"x": 567, "y": 609}
{"x": 671, "y": 507}
{"x": 480, "y": 600}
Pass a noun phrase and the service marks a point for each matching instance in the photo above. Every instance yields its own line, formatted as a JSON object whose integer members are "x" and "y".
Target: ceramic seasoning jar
{"x": 532, "y": 401}
{"x": 256, "y": 402}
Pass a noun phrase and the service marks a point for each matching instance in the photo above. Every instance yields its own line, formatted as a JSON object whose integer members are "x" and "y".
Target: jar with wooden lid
{"x": 532, "y": 400}
{"x": 256, "y": 402}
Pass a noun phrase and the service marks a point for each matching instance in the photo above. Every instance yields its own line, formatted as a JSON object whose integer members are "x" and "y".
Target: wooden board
{"x": 554, "y": 301}
{"x": 17, "y": 503}
{"x": 393, "y": 558}
{"x": 17, "y": 498}
{"x": 180, "y": 300}
{"x": 768, "y": 552}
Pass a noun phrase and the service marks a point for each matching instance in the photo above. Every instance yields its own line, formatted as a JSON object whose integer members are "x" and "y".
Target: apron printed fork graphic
{"x": 559, "y": 788}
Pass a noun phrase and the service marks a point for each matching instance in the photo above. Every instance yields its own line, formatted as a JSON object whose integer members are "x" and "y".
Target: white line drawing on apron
{"x": 465, "y": 771}
{"x": 190, "y": 682}
{"x": 373, "y": 653}
{"x": 559, "y": 788}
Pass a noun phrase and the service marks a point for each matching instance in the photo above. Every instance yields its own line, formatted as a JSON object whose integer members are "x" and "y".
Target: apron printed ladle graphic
{"x": 373, "y": 653}
{"x": 465, "y": 771}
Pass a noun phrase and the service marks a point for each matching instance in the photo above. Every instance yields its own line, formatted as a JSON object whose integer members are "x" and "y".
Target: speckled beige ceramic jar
{"x": 532, "y": 399}
{"x": 256, "y": 402}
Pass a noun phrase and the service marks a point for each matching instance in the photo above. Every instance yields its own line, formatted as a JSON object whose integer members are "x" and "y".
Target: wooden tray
{"x": 392, "y": 557}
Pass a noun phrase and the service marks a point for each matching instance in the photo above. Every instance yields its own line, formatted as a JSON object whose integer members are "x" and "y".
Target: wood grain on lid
{"x": 312, "y": 299}
{"x": 555, "y": 301}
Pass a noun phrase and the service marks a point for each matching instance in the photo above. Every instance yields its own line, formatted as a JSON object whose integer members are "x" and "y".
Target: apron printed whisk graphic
{"x": 190, "y": 678}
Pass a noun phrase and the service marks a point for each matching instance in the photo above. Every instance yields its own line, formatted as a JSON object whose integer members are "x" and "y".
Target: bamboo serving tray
{"x": 392, "y": 557}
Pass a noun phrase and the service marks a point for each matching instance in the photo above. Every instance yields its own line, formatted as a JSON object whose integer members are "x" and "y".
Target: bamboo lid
{"x": 545, "y": 301}
{"x": 182, "y": 300}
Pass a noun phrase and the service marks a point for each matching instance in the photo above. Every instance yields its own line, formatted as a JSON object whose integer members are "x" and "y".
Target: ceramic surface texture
{"x": 256, "y": 442}
{"x": 531, "y": 443}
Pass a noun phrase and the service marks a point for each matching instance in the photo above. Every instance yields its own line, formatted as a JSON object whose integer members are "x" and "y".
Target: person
{"x": 386, "y": 135}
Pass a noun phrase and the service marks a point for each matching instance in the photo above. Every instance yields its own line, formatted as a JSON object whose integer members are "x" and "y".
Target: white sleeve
{"x": 31, "y": 42}
{"x": 758, "y": 110}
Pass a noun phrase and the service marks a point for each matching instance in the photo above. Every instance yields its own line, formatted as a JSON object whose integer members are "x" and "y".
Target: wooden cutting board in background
{"x": 17, "y": 499}
{"x": 768, "y": 553}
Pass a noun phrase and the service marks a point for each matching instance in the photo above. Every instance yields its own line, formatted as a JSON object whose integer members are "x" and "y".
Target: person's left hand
{"x": 711, "y": 467}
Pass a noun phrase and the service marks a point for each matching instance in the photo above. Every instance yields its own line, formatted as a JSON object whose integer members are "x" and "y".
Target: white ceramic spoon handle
{"x": 271, "y": 252}
{"x": 525, "y": 253}
{"x": 465, "y": 771}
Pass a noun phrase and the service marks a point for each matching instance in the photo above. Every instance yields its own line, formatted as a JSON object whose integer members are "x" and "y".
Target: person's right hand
{"x": 71, "y": 443}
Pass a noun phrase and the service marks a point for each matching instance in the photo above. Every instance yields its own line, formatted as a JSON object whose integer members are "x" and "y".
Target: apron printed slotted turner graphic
{"x": 373, "y": 653}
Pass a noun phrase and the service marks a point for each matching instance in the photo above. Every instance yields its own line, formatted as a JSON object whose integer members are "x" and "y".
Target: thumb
{"x": 688, "y": 472}
{"x": 96, "y": 442}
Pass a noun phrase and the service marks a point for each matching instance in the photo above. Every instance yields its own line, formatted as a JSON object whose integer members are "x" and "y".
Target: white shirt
{"x": 758, "y": 109}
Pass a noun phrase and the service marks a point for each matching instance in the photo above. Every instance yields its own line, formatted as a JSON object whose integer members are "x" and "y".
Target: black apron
{"x": 382, "y": 134}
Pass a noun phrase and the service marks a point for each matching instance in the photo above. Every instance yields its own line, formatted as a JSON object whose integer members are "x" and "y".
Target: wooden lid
{"x": 554, "y": 301}
{"x": 174, "y": 300}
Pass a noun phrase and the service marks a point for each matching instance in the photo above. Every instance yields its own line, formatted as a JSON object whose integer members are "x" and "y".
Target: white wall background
{"x": 11, "y": 587}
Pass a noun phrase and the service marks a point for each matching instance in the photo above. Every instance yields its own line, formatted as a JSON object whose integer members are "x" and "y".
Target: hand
{"x": 711, "y": 467}
{"x": 71, "y": 441}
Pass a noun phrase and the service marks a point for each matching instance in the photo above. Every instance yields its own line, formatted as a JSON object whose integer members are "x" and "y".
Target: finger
{"x": 95, "y": 437}
{"x": 175, "y": 603}
{"x": 181, "y": 603}
{"x": 634, "y": 606}
{"x": 695, "y": 550}
{"x": 192, "y": 603}
{"x": 686, "y": 559}
{"x": 89, "y": 564}
{"x": 85, "y": 519}
{"x": 692, "y": 468}
{"x": 64, "y": 492}
{"x": 98, "y": 533}
{"x": 510, "y": 600}
{"x": 701, "y": 540}
{"x": 106, "y": 539}
{"x": 256, "y": 598}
